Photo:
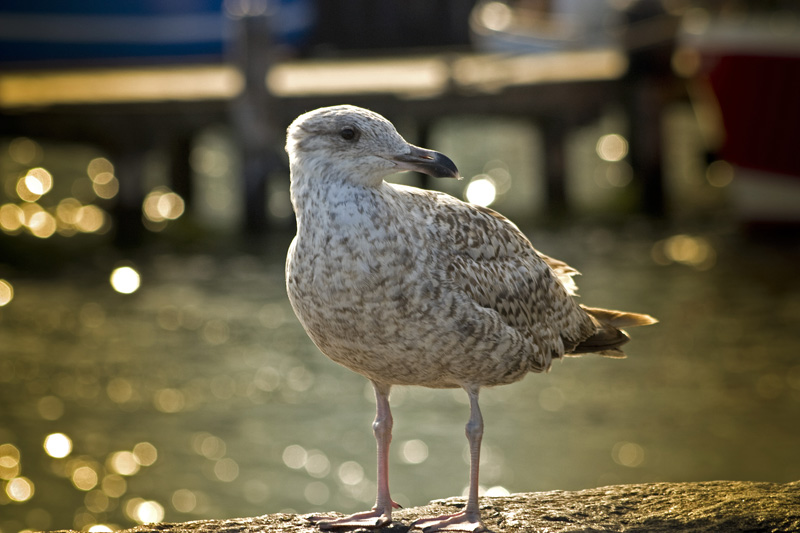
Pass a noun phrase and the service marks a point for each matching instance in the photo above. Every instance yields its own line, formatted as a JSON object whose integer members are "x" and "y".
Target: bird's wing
{"x": 564, "y": 272}
{"x": 491, "y": 260}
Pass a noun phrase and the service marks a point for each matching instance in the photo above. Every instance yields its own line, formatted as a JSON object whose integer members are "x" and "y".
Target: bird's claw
{"x": 367, "y": 520}
{"x": 463, "y": 521}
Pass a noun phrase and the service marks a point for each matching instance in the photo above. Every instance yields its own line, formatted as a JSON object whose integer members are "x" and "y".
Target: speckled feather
{"x": 408, "y": 286}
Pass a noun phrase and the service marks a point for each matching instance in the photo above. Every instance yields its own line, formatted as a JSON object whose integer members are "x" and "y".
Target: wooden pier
{"x": 128, "y": 111}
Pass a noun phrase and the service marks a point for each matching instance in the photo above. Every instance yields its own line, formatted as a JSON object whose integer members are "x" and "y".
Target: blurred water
{"x": 200, "y": 396}
{"x": 207, "y": 364}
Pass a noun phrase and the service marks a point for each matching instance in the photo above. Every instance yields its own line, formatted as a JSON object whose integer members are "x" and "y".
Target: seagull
{"x": 414, "y": 287}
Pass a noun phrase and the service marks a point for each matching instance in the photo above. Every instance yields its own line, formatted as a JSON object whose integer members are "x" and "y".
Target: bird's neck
{"x": 331, "y": 196}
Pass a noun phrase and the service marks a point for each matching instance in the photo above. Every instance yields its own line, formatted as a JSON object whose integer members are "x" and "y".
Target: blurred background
{"x": 151, "y": 368}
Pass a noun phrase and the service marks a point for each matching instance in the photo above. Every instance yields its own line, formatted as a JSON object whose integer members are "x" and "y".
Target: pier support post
{"x": 251, "y": 118}
{"x": 554, "y": 132}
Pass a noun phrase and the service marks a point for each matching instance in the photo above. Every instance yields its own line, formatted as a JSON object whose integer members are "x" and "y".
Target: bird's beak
{"x": 428, "y": 162}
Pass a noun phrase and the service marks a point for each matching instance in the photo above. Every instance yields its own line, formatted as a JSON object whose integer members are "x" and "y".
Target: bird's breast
{"x": 358, "y": 295}
{"x": 349, "y": 258}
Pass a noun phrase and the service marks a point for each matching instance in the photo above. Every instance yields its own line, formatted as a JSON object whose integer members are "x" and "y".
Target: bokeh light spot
{"x": 119, "y": 390}
{"x": 612, "y": 147}
{"x": 497, "y": 491}
{"x": 317, "y": 464}
{"x": 226, "y": 470}
{"x": 414, "y": 451}
{"x": 103, "y": 178}
{"x": 125, "y": 280}
{"x": 209, "y": 446}
{"x": 145, "y": 453}
{"x": 6, "y": 292}
{"x": 481, "y": 190}
{"x": 105, "y": 185}
{"x": 84, "y": 478}
{"x": 58, "y": 445}
{"x": 67, "y": 210}
{"x": 9, "y": 461}
{"x": 351, "y": 473}
{"x": 38, "y": 181}
{"x": 719, "y": 174}
{"x": 496, "y": 16}
{"x": 96, "y": 501}
{"x": 317, "y": 493}
{"x": 24, "y": 192}
{"x": 184, "y": 500}
{"x": 123, "y": 463}
{"x": 97, "y": 166}
{"x": 148, "y": 512}
{"x": 696, "y": 252}
{"x": 50, "y": 407}
{"x": 627, "y": 454}
{"x": 169, "y": 400}
{"x": 114, "y": 486}
{"x": 89, "y": 219}
{"x": 294, "y": 456}
{"x": 161, "y": 205}
{"x": 12, "y": 218}
{"x": 20, "y": 489}
{"x": 42, "y": 224}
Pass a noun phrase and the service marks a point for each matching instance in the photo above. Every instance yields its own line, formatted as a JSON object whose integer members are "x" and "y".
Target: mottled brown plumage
{"x": 414, "y": 287}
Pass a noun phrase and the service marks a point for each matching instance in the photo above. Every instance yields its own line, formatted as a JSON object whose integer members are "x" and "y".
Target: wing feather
{"x": 497, "y": 266}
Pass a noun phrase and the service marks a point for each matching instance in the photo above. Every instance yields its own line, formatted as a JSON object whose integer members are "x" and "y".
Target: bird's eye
{"x": 349, "y": 133}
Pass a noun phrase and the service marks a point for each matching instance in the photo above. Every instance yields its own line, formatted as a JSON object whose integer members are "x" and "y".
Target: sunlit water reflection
{"x": 199, "y": 395}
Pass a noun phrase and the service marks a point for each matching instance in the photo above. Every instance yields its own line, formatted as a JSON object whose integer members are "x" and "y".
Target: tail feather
{"x": 608, "y": 338}
{"x": 619, "y": 319}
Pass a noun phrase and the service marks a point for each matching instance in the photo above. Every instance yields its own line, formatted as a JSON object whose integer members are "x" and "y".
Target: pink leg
{"x": 381, "y": 514}
{"x": 470, "y": 518}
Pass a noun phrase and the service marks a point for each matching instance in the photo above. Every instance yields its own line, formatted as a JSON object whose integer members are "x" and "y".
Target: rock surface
{"x": 716, "y": 506}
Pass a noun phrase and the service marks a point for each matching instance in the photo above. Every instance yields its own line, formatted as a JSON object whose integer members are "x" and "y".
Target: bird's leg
{"x": 470, "y": 518}
{"x": 382, "y": 428}
{"x": 381, "y": 514}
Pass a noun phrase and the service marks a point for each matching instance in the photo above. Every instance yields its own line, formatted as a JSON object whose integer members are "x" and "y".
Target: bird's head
{"x": 357, "y": 145}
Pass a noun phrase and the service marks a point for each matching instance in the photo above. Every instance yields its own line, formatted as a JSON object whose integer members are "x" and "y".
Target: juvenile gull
{"x": 414, "y": 287}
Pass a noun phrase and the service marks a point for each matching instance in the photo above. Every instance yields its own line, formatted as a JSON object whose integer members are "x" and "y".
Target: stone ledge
{"x": 715, "y": 506}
